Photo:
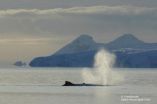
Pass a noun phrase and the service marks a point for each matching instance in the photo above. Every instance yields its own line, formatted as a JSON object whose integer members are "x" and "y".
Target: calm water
{"x": 43, "y": 86}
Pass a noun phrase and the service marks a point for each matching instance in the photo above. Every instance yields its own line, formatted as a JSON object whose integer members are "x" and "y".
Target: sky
{"x": 31, "y": 28}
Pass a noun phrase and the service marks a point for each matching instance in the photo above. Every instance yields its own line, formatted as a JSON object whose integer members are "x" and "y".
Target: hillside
{"x": 129, "y": 50}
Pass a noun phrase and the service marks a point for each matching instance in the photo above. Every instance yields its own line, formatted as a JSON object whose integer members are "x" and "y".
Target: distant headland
{"x": 130, "y": 53}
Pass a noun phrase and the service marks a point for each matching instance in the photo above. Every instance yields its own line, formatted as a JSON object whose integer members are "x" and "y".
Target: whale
{"x": 68, "y": 83}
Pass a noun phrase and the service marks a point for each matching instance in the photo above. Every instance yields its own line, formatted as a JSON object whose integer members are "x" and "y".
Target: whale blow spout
{"x": 103, "y": 72}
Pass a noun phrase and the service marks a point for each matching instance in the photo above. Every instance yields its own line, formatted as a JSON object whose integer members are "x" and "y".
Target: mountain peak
{"x": 85, "y": 37}
{"x": 82, "y": 43}
{"x": 129, "y": 38}
{"x": 125, "y": 41}
{"x": 128, "y": 35}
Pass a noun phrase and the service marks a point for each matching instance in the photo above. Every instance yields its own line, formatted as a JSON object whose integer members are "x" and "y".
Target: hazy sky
{"x": 30, "y": 28}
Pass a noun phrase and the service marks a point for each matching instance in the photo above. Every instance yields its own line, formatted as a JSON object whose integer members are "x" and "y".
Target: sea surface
{"x": 44, "y": 86}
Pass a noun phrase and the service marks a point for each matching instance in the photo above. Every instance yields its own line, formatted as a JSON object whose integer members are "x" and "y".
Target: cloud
{"x": 108, "y": 10}
{"x": 25, "y": 41}
{"x": 71, "y": 22}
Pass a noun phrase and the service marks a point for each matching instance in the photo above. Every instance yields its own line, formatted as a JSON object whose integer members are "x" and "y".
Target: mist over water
{"x": 103, "y": 72}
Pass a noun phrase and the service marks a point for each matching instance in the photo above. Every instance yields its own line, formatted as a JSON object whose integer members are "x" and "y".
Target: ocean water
{"x": 44, "y": 86}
